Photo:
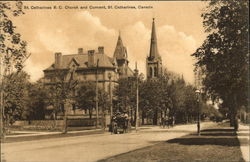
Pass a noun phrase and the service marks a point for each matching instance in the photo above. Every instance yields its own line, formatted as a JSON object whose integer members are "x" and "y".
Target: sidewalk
{"x": 243, "y": 136}
{"x": 18, "y": 134}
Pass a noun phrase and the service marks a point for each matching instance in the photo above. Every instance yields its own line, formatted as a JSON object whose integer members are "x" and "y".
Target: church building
{"x": 153, "y": 61}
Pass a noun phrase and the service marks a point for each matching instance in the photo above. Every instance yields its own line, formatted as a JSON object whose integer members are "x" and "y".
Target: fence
{"x": 54, "y": 124}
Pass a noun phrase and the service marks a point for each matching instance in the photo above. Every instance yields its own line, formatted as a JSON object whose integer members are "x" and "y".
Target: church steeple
{"x": 154, "y": 62}
{"x": 153, "y": 53}
{"x": 120, "y": 50}
{"x": 121, "y": 57}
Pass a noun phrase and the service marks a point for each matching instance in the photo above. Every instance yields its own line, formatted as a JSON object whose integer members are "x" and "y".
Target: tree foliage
{"x": 12, "y": 47}
{"x": 223, "y": 57}
{"x": 61, "y": 89}
{"x": 167, "y": 96}
{"x": 12, "y": 54}
{"x": 15, "y": 96}
{"x": 86, "y": 98}
{"x": 37, "y": 101}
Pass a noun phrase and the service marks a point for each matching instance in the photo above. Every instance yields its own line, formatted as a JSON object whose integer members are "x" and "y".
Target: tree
{"x": 104, "y": 104}
{"x": 12, "y": 48}
{"x": 37, "y": 101}
{"x": 223, "y": 57}
{"x": 62, "y": 91}
{"x": 190, "y": 103}
{"x": 85, "y": 98}
{"x": 16, "y": 96}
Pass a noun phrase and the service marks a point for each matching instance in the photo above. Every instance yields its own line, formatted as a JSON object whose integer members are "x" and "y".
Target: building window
{"x": 151, "y": 72}
{"x": 156, "y": 72}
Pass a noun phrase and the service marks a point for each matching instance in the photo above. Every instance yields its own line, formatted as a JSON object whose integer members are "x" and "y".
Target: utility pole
{"x": 110, "y": 95}
{"x": 1, "y": 97}
{"x": 137, "y": 98}
{"x": 96, "y": 97}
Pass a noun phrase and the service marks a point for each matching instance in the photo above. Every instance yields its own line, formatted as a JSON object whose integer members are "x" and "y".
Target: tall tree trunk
{"x": 90, "y": 113}
{"x": 155, "y": 118}
{"x": 103, "y": 119}
{"x": 231, "y": 117}
{"x": 236, "y": 123}
{"x": 233, "y": 113}
{"x": 142, "y": 117}
{"x": 134, "y": 121}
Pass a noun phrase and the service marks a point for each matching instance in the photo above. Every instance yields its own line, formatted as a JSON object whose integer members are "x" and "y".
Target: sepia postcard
{"x": 85, "y": 81}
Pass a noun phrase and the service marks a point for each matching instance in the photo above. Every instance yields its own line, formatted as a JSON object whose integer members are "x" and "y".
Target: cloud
{"x": 81, "y": 30}
{"x": 174, "y": 47}
{"x": 66, "y": 32}
{"x": 34, "y": 70}
{"x": 136, "y": 38}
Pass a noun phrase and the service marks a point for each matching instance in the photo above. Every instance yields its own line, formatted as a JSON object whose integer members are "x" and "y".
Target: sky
{"x": 178, "y": 27}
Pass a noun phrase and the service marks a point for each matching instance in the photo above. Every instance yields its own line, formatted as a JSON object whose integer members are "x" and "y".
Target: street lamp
{"x": 96, "y": 96}
{"x": 110, "y": 95}
{"x": 198, "y": 92}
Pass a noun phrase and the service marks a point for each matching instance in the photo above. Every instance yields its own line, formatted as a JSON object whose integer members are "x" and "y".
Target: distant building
{"x": 153, "y": 61}
{"x": 90, "y": 66}
{"x": 87, "y": 65}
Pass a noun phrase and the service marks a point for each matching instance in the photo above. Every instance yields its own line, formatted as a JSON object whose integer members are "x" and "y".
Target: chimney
{"x": 58, "y": 59}
{"x": 101, "y": 50}
{"x": 80, "y": 51}
{"x": 91, "y": 58}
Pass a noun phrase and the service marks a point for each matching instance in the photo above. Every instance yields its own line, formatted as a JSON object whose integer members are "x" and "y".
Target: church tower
{"x": 153, "y": 62}
{"x": 121, "y": 57}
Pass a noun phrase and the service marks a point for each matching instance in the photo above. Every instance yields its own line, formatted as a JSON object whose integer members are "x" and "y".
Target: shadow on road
{"x": 222, "y": 137}
{"x": 219, "y": 143}
{"x": 168, "y": 131}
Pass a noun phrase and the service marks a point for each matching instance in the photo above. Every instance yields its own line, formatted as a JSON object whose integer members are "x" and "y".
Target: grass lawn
{"x": 218, "y": 144}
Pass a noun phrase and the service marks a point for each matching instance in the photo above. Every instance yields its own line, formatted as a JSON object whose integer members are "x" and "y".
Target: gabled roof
{"x": 73, "y": 61}
{"x": 130, "y": 72}
{"x": 82, "y": 61}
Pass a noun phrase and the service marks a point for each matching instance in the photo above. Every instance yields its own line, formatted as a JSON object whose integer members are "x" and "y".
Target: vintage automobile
{"x": 119, "y": 123}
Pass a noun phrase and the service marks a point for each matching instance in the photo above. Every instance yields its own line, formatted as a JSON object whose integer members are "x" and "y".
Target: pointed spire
{"x": 119, "y": 41}
{"x": 120, "y": 50}
{"x": 153, "y": 53}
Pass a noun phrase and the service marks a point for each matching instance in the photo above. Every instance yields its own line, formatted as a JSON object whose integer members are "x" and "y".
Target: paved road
{"x": 90, "y": 147}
